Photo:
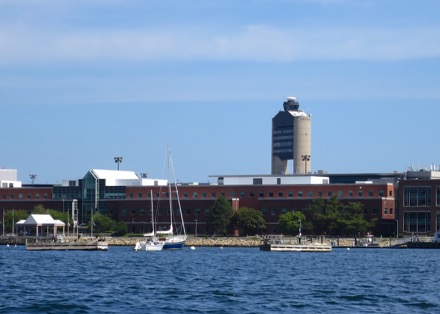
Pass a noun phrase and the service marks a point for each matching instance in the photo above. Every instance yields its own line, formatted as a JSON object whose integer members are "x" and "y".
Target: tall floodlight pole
{"x": 397, "y": 228}
{"x": 33, "y": 177}
{"x": 196, "y": 227}
{"x": 118, "y": 160}
{"x": 3, "y": 222}
{"x": 305, "y": 158}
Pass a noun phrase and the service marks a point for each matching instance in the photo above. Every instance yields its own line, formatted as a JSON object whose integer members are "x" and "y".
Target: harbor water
{"x": 216, "y": 280}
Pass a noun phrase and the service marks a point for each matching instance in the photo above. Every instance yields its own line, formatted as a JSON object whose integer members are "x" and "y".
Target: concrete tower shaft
{"x": 291, "y": 139}
{"x": 302, "y": 145}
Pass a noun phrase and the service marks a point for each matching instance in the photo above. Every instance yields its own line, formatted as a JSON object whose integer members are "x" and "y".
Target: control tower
{"x": 291, "y": 139}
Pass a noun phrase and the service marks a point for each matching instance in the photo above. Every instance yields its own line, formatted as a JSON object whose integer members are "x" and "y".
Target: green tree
{"x": 290, "y": 222}
{"x": 220, "y": 216}
{"x": 103, "y": 223}
{"x": 250, "y": 220}
{"x": 12, "y": 216}
{"x": 121, "y": 229}
{"x": 333, "y": 217}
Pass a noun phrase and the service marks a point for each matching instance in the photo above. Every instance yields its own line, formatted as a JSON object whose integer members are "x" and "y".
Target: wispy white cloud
{"x": 259, "y": 43}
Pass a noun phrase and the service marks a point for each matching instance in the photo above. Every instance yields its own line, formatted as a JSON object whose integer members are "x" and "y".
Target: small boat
{"x": 275, "y": 243}
{"x": 151, "y": 243}
{"x": 64, "y": 245}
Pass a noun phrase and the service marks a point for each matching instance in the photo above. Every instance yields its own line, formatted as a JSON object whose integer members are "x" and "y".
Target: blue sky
{"x": 84, "y": 81}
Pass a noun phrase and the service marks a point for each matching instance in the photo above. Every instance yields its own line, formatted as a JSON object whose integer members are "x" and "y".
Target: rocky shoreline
{"x": 216, "y": 241}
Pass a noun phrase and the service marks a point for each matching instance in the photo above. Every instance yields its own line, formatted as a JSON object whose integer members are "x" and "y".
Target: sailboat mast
{"x": 152, "y": 214}
{"x": 177, "y": 194}
{"x": 169, "y": 187}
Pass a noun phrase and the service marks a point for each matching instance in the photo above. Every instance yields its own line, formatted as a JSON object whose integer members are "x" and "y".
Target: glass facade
{"x": 419, "y": 196}
{"x": 417, "y": 222}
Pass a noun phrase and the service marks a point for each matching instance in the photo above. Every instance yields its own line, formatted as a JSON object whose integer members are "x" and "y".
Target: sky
{"x": 83, "y": 81}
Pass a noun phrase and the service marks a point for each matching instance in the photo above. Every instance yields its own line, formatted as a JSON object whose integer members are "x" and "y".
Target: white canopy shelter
{"x": 41, "y": 224}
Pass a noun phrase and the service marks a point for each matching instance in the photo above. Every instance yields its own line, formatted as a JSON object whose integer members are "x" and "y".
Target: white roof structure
{"x": 270, "y": 180}
{"x": 8, "y": 178}
{"x": 41, "y": 220}
{"x": 124, "y": 178}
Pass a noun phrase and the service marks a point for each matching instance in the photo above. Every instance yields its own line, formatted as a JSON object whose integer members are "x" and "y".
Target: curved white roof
{"x": 115, "y": 174}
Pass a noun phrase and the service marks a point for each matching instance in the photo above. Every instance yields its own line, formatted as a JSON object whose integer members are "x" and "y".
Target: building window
{"x": 283, "y": 210}
{"x": 232, "y": 194}
{"x": 195, "y": 195}
{"x": 242, "y": 194}
{"x": 198, "y": 211}
{"x": 274, "y": 212}
{"x": 20, "y": 195}
{"x": 370, "y": 194}
{"x": 207, "y": 211}
{"x": 257, "y": 181}
{"x": 319, "y": 194}
{"x": 45, "y": 196}
{"x": 261, "y": 194}
{"x": 28, "y": 196}
{"x": 385, "y": 211}
{"x": 188, "y": 211}
{"x": 330, "y": 193}
{"x": 223, "y": 194}
{"x": 290, "y": 194}
{"x": 340, "y": 194}
{"x": 300, "y": 194}
{"x": 133, "y": 212}
{"x": 140, "y": 195}
{"x": 131, "y": 195}
{"x": 251, "y": 194}
{"x": 381, "y": 193}
{"x": 310, "y": 194}
{"x": 185, "y": 195}
{"x": 280, "y": 194}
{"x": 270, "y": 194}
{"x": 264, "y": 211}
{"x": 360, "y": 193}
{"x": 417, "y": 196}
{"x": 204, "y": 195}
{"x": 417, "y": 222}
{"x": 350, "y": 193}
{"x": 142, "y": 211}
{"x": 124, "y": 212}
{"x": 391, "y": 211}
{"x": 438, "y": 197}
{"x": 390, "y": 193}
{"x": 37, "y": 196}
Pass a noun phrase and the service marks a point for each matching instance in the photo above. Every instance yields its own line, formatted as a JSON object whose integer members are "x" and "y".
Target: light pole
{"x": 196, "y": 227}
{"x": 397, "y": 228}
{"x": 118, "y": 160}
{"x": 33, "y": 177}
{"x": 305, "y": 158}
{"x": 299, "y": 235}
{"x": 3, "y": 222}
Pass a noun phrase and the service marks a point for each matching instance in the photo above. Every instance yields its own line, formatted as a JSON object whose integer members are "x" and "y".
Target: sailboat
{"x": 174, "y": 239}
{"x": 151, "y": 243}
